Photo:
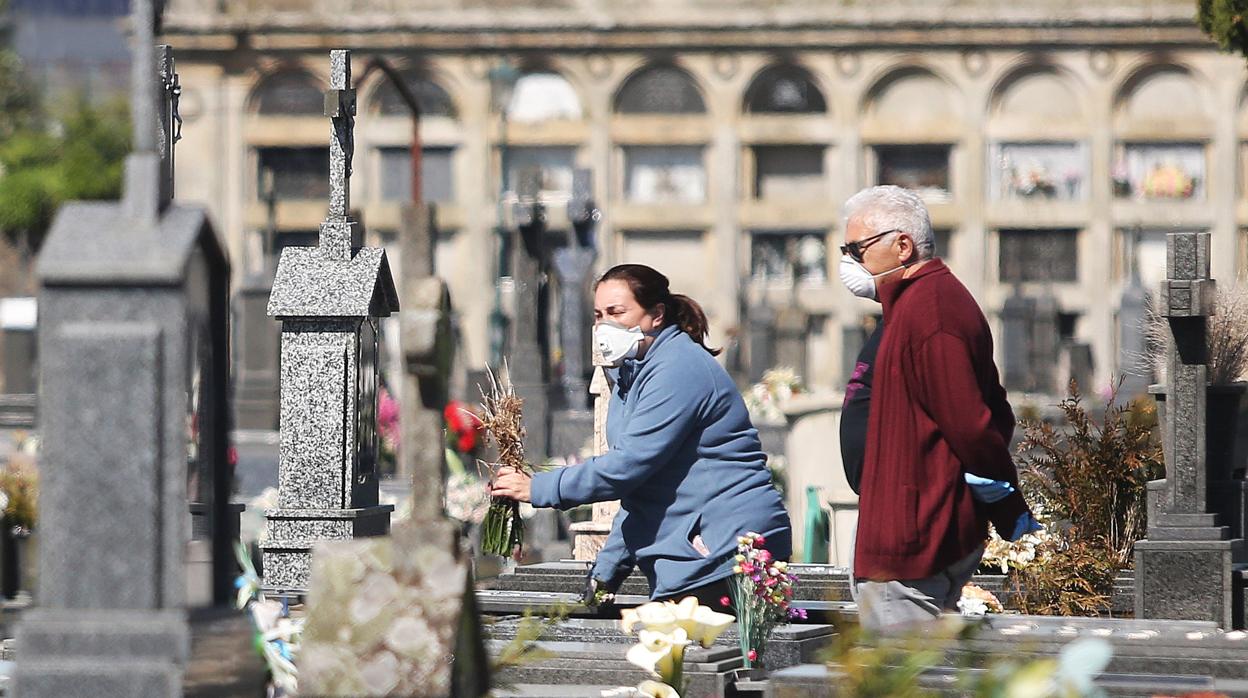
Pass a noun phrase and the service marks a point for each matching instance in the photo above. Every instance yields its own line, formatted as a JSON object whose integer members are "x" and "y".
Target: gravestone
{"x": 133, "y": 348}
{"x": 1046, "y": 345}
{"x": 760, "y": 339}
{"x": 1185, "y": 567}
{"x": 573, "y": 424}
{"x": 527, "y": 360}
{"x": 793, "y": 326}
{"x": 328, "y": 299}
{"x": 396, "y": 615}
{"x": 1016, "y": 314}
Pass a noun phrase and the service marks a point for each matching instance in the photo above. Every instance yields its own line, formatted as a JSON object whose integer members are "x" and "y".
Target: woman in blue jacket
{"x": 684, "y": 459}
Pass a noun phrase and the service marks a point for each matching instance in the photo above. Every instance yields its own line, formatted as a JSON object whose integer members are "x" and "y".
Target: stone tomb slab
{"x": 708, "y": 672}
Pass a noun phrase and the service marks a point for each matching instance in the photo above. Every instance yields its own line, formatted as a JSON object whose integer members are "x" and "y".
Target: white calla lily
{"x": 709, "y": 625}
{"x": 656, "y": 689}
{"x": 699, "y": 622}
{"x": 655, "y": 615}
{"x": 660, "y": 653}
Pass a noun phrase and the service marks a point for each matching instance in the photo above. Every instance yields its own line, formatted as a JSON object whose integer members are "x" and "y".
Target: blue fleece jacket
{"x": 684, "y": 460}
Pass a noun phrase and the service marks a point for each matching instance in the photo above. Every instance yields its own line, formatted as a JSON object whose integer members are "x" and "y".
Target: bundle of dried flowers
{"x": 502, "y": 531}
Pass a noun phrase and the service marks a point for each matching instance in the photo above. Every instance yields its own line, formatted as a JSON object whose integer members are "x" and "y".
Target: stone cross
{"x": 434, "y": 640}
{"x": 1184, "y": 568}
{"x": 337, "y": 233}
{"x": 329, "y": 299}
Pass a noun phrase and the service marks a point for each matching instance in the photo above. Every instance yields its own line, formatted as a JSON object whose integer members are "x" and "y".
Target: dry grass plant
{"x": 1226, "y": 336}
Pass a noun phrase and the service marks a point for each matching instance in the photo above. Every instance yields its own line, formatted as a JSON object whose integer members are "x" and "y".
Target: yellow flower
{"x": 736, "y": 569}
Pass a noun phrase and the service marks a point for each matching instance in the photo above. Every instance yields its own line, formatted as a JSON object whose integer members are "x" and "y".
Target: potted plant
{"x": 1088, "y": 482}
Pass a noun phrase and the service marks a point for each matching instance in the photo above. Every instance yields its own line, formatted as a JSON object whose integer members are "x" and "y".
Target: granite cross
{"x": 1184, "y": 569}
{"x": 336, "y": 232}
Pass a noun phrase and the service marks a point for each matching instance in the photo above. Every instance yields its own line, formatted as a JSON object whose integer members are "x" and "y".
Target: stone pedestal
{"x": 1189, "y": 579}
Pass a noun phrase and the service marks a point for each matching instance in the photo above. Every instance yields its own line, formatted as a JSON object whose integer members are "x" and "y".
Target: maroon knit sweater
{"x": 938, "y": 411}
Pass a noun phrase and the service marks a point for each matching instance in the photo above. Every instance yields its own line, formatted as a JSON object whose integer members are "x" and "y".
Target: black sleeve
{"x": 857, "y": 409}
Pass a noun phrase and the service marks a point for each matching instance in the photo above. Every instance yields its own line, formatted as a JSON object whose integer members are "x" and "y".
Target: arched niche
{"x": 784, "y": 89}
{"x": 912, "y": 103}
{"x": 660, "y": 89}
{"x": 1037, "y": 95}
{"x": 1161, "y": 92}
{"x": 434, "y": 101}
{"x": 291, "y": 92}
{"x": 543, "y": 95}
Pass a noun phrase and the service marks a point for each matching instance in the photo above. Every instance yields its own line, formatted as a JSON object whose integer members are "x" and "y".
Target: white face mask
{"x": 615, "y": 342}
{"x": 858, "y": 280}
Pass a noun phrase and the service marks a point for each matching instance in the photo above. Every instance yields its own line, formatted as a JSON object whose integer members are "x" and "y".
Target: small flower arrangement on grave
{"x": 1036, "y": 182}
{"x": 977, "y": 601}
{"x": 467, "y": 496}
{"x": 664, "y": 629}
{"x": 19, "y": 491}
{"x": 766, "y": 397}
{"x": 387, "y": 430}
{"x": 762, "y": 595}
{"x": 1168, "y": 182}
{"x": 1014, "y": 555}
{"x": 277, "y": 635}
{"x": 502, "y": 530}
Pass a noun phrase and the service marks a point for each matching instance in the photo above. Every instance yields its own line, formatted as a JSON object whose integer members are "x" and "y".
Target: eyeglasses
{"x": 856, "y": 248}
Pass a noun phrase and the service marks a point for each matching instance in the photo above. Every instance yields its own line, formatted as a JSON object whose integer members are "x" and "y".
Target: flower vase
{"x": 27, "y": 543}
{"x": 751, "y": 674}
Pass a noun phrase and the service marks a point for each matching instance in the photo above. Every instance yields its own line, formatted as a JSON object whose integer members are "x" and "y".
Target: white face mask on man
{"x": 616, "y": 342}
{"x": 858, "y": 280}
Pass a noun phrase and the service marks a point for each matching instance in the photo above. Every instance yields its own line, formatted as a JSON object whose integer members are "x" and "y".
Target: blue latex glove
{"x": 1026, "y": 524}
{"x": 986, "y": 490}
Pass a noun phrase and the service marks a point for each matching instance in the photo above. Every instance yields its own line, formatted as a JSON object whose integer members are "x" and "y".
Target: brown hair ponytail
{"x": 651, "y": 289}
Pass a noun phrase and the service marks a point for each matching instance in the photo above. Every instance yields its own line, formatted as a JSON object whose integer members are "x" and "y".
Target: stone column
{"x": 425, "y": 330}
{"x": 1184, "y": 569}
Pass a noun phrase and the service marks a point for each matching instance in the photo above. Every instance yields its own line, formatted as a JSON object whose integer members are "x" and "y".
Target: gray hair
{"x": 889, "y": 207}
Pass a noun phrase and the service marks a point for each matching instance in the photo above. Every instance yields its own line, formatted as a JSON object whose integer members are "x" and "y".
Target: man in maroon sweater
{"x": 937, "y": 465}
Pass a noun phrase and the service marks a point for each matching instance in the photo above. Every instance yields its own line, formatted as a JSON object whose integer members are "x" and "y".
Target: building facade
{"x": 1055, "y": 142}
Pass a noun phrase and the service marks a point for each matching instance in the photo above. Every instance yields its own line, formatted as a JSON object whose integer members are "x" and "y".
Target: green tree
{"x": 77, "y": 157}
{"x": 1223, "y": 21}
